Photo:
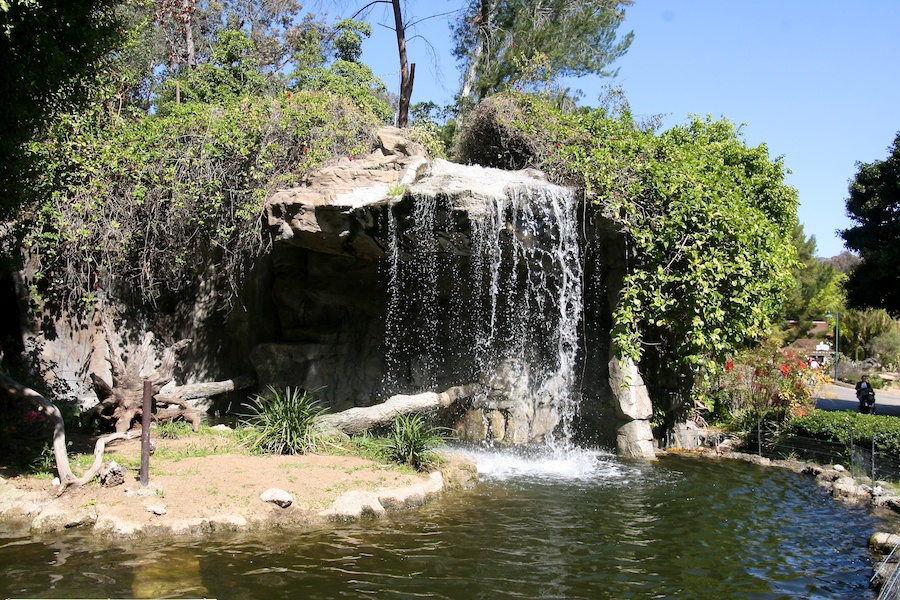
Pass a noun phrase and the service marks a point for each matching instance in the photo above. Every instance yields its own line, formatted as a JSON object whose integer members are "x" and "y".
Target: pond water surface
{"x": 587, "y": 525}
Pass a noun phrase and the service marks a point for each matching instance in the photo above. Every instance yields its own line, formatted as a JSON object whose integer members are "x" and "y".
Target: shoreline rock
{"x": 43, "y": 513}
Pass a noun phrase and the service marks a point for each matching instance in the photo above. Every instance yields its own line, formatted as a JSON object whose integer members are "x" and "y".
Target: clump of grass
{"x": 412, "y": 441}
{"x": 171, "y": 430}
{"x": 284, "y": 422}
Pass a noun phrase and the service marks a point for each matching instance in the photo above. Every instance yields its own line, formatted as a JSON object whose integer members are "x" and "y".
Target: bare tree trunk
{"x": 407, "y": 75}
{"x": 188, "y": 8}
{"x": 480, "y": 51}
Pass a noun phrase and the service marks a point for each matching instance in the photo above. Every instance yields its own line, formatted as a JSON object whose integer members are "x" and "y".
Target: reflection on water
{"x": 536, "y": 527}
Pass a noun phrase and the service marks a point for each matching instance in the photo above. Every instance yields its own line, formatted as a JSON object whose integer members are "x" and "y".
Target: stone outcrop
{"x": 398, "y": 274}
{"x": 357, "y": 504}
{"x": 634, "y": 408}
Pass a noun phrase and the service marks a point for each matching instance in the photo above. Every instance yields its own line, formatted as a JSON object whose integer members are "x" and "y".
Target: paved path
{"x": 843, "y": 397}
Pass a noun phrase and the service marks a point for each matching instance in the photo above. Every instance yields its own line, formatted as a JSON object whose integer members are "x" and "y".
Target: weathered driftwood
{"x": 99, "y": 449}
{"x": 67, "y": 478}
{"x": 121, "y": 404}
{"x": 195, "y": 391}
{"x": 176, "y": 403}
{"x": 19, "y": 392}
{"x": 121, "y": 399}
{"x": 357, "y": 420}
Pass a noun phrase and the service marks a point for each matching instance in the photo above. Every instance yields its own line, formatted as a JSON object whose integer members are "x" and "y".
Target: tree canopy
{"x": 501, "y": 42}
{"x": 874, "y": 205}
{"x": 49, "y": 50}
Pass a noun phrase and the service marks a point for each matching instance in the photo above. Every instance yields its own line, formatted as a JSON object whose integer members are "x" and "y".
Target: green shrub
{"x": 412, "y": 440}
{"x": 284, "y": 422}
{"x": 844, "y": 426}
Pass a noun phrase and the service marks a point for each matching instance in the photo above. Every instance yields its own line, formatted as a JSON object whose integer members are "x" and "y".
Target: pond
{"x": 583, "y": 525}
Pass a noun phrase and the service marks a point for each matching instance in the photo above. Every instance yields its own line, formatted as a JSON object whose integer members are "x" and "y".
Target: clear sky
{"x": 817, "y": 81}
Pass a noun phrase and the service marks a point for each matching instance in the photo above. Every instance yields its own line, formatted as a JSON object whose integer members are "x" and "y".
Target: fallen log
{"x": 196, "y": 391}
{"x": 356, "y": 420}
{"x": 99, "y": 449}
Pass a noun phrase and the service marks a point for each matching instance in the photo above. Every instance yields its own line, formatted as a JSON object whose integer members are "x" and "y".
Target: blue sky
{"x": 817, "y": 82}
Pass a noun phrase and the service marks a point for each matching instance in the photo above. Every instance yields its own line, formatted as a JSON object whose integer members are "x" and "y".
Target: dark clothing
{"x": 866, "y": 396}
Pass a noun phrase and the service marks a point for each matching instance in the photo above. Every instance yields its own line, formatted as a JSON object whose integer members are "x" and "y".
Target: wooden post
{"x": 145, "y": 434}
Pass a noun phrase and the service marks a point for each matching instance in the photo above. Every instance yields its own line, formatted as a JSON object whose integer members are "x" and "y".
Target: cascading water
{"x": 489, "y": 289}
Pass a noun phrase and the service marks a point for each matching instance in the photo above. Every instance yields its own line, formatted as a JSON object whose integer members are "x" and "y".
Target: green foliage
{"x": 142, "y": 205}
{"x": 811, "y": 278}
{"x": 350, "y": 80}
{"x": 873, "y": 205}
{"x": 708, "y": 221}
{"x": 829, "y": 298}
{"x": 50, "y": 50}
{"x": 844, "y": 426}
{"x": 327, "y": 59}
{"x": 172, "y": 430}
{"x": 230, "y": 73}
{"x": 433, "y": 127}
{"x": 886, "y": 347}
{"x": 412, "y": 440}
{"x": 558, "y": 38}
{"x": 285, "y": 422}
{"x": 859, "y": 328}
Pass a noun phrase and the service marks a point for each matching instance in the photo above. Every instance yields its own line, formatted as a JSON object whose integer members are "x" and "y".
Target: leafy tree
{"x": 811, "y": 275}
{"x": 230, "y": 73}
{"x": 49, "y": 50}
{"x": 830, "y": 298}
{"x": 886, "y": 347}
{"x": 874, "y": 205}
{"x": 268, "y": 24}
{"x": 316, "y": 44}
{"x": 496, "y": 38}
{"x": 859, "y": 328}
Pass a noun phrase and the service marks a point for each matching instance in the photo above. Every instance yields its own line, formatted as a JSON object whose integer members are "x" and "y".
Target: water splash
{"x": 548, "y": 464}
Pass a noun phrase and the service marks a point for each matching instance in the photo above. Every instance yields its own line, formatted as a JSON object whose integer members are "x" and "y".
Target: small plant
{"x": 172, "y": 430}
{"x": 397, "y": 191}
{"x": 284, "y": 422}
{"x": 412, "y": 440}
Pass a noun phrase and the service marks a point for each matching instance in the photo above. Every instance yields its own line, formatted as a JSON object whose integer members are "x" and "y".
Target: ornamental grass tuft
{"x": 412, "y": 441}
{"x": 284, "y": 422}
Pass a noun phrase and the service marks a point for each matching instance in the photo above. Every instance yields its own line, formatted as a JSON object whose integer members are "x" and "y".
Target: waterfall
{"x": 487, "y": 286}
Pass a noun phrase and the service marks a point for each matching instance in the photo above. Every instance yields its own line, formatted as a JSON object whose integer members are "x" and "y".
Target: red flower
{"x": 785, "y": 369}
{"x": 729, "y": 365}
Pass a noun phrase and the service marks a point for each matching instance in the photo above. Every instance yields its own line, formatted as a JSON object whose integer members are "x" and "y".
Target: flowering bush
{"x": 768, "y": 380}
